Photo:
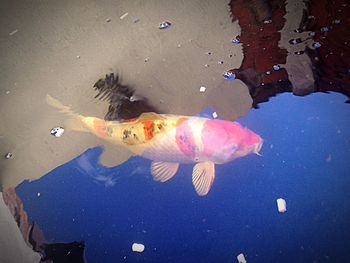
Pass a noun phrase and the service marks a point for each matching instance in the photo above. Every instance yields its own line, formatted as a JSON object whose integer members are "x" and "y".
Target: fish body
{"x": 169, "y": 140}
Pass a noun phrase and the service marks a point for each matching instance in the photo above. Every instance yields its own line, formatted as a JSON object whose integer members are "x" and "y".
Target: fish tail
{"x": 75, "y": 121}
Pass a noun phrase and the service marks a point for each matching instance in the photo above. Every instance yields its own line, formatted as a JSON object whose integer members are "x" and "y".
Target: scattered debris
{"x": 7, "y": 92}
{"x": 8, "y": 155}
{"x": 268, "y": 21}
{"x": 276, "y": 67}
{"x": 298, "y": 30}
{"x": 136, "y": 20}
{"x": 316, "y": 45}
{"x": 123, "y": 16}
{"x": 38, "y": 194}
{"x": 220, "y": 62}
{"x": 312, "y": 34}
{"x": 164, "y": 25}
{"x": 241, "y": 258}
{"x": 299, "y": 52}
{"x": 13, "y": 32}
{"x": 108, "y": 20}
{"x": 78, "y": 57}
{"x": 324, "y": 29}
{"x": 336, "y": 21}
{"x": 202, "y": 89}
{"x": 208, "y": 53}
{"x": 281, "y": 205}
{"x": 214, "y": 114}
{"x": 229, "y": 75}
{"x": 235, "y": 40}
{"x": 57, "y": 131}
{"x": 295, "y": 41}
{"x": 146, "y": 59}
{"x": 268, "y": 72}
{"x": 136, "y": 247}
{"x": 206, "y": 65}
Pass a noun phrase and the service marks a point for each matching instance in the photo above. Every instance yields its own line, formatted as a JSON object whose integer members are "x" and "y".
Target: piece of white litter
{"x": 202, "y": 89}
{"x": 13, "y": 32}
{"x": 241, "y": 258}
{"x": 214, "y": 114}
{"x": 123, "y": 16}
{"x": 57, "y": 131}
{"x": 136, "y": 247}
{"x": 281, "y": 205}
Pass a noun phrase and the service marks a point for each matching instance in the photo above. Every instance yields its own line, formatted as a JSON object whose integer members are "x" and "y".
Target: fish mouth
{"x": 257, "y": 148}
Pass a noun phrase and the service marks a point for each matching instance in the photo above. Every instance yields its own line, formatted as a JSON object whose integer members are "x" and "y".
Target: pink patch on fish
{"x": 185, "y": 140}
{"x": 217, "y": 134}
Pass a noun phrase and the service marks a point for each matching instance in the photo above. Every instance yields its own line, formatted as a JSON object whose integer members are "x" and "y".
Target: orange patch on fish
{"x": 100, "y": 127}
{"x": 148, "y": 129}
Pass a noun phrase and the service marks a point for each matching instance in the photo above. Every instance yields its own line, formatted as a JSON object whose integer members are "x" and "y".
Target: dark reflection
{"x": 123, "y": 103}
{"x": 64, "y": 252}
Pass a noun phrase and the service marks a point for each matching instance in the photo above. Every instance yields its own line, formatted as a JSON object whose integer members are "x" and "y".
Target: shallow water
{"x": 306, "y": 144}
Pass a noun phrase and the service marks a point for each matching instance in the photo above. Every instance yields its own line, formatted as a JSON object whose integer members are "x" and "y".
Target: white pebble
{"x": 57, "y": 131}
{"x": 202, "y": 89}
{"x": 214, "y": 114}
{"x": 38, "y": 194}
{"x": 281, "y": 205}
{"x": 13, "y": 32}
{"x": 123, "y": 16}
{"x": 138, "y": 247}
{"x": 241, "y": 258}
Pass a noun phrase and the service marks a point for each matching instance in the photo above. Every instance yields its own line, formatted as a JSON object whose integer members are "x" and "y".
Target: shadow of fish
{"x": 169, "y": 140}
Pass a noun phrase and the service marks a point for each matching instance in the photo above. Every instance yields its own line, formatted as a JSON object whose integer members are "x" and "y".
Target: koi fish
{"x": 170, "y": 140}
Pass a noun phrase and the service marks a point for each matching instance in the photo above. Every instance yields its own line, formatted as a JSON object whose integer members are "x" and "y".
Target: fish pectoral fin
{"x": 203, "y": 176}
{"x": 163, "y": 171}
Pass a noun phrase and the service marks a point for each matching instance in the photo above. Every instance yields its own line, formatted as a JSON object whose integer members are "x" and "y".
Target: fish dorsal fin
{"x": 203, "y": 176}
{"x": 163, "y": 171}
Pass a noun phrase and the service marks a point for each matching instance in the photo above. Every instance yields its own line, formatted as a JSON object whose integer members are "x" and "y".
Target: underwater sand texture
{"x": 62, "y": 48}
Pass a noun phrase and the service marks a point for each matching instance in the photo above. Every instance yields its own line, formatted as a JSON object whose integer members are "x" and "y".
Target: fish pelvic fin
{"x": 163, "y": 171}
{"x": 203, "y": 176}
{"x": 75, "y": 122}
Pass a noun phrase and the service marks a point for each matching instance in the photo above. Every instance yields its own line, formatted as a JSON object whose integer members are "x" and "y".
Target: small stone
{"x": 208, "y": 53}
{"x": 281, "y": 205}
{"x": 78, "y": 57}
{"x": 235, "y": 40}
{"x": 146, "y": 59}
{"x": 214, "y": 114}
{"x": 108, "y": 20}
{"x": 312, "y": 34}
{"x": 336, "y": 21}
{"x": 316, "y": 45}
{"x": 7, "y": 92}
{"x": 138, "y": 247}
{"x": 324, "y": 29}
{"x": 202, "y": 89}
{"x": 268, "y": 72}
{"x": 229, "y": 75}
{"x": 8, "y": 155}
{"x": 136, "y": 20}
{"x": 268, "y": 21}
{"x": 220, "y": 62}
{"x": 206, "y": 65}
{"x": 38, "y": 194}
{"x": 276, "y": 67}
{"x": 123, "y": 16}
{"x": 241, "y": 258}
{"x": 13, "y": 32}
{"x": 164, "y": 25}
{"x": 57, "y": 131}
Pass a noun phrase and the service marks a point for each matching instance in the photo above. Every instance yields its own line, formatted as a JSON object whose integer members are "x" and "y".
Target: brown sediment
{"x": 331, "y": 61}
{"x": 260, "y": 23}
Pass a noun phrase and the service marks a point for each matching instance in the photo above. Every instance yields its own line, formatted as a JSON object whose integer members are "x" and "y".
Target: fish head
{"x": 224, "y": 141}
